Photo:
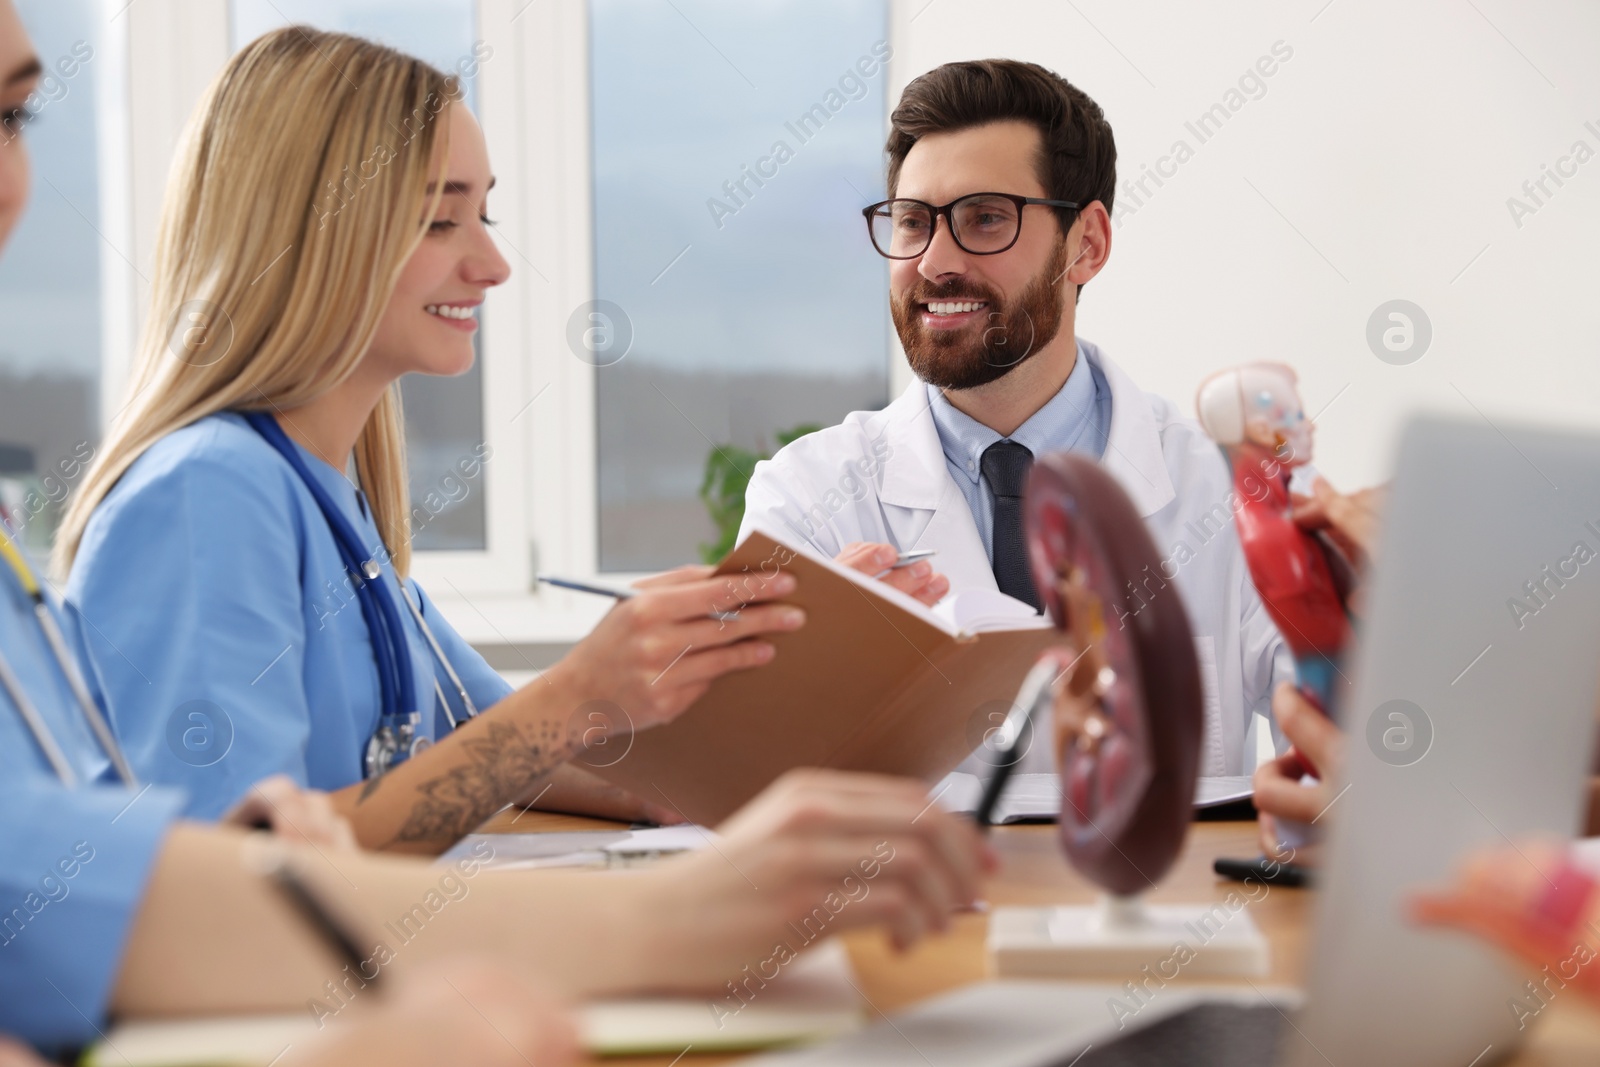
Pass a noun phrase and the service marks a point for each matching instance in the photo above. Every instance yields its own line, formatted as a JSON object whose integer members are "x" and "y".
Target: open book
{"x": 875, "y": 681}
{"x": 1036, "y": 797}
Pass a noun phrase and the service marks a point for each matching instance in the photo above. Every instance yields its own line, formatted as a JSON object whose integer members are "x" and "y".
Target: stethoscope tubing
{"x": 32, "y": 588}
{"x": 397, "y": 691}
{"x": 389, "y": 643}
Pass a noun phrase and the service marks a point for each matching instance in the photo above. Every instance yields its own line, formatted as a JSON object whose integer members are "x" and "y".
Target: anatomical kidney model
{"x": 1124, "y": 697}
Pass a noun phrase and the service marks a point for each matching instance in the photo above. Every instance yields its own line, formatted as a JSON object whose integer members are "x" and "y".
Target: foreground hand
{"x": 1352, "y": 519}
{"x": 1511, "y": 896}
{"x": 1318, "y": 750}
{"x": 16, "y": 1054}
{"x": 460, "y": 1012}
{"x": 292, "y": 813}
{"x": 816, "y": 853}
{"x": 918, "y": 580}
{"x": 656, "y": 654}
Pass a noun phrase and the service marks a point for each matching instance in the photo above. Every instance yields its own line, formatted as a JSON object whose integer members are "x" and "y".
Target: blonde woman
{"x": 325, "y": 233}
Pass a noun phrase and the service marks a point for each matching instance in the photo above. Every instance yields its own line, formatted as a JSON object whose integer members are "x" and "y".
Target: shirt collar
{"x": 1056, "y": 427}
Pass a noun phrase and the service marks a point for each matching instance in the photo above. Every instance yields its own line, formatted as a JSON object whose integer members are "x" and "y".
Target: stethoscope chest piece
{"x": 394, "y": 742}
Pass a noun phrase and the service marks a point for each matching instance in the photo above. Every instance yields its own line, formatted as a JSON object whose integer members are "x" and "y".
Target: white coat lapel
{"x": 922, "y": 506}
{"x": 1133, "y": 446}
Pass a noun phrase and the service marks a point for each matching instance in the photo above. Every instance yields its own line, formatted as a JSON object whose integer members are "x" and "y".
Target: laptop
{"x": 1471, "y": 720}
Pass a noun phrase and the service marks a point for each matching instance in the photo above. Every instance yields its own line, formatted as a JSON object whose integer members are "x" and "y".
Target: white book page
{"x": 976, "y": 611}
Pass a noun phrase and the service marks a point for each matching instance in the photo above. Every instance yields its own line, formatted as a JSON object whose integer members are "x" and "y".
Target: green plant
{"x": 728, "y": 470}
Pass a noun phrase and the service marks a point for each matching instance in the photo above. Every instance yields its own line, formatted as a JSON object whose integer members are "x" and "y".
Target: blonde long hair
{"x": 291, "y": 209}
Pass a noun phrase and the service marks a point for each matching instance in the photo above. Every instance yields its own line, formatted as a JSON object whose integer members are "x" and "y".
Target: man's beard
{"x": 953, "y": 359}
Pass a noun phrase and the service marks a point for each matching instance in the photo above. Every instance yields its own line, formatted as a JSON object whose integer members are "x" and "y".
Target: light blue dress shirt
{"x": 1076, "y": 419}
{"x": 221, "y": 629}
{"x": 73, "y": 862}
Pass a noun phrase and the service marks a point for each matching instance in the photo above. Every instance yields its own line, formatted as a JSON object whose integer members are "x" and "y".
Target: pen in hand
{"x": 906, "y": 559}
{"x": 617, "y": 592}
{"x": 309, "y": 906}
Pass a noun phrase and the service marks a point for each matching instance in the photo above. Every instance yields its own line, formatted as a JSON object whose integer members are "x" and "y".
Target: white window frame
{"x": 539, "y": 417}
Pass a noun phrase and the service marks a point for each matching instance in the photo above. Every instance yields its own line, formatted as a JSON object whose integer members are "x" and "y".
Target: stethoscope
{"x": 397, "y": 737}
{"x": 69, "y": 669}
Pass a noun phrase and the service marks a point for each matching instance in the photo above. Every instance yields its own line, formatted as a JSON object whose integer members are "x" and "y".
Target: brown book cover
{"x": 874, "y": 681}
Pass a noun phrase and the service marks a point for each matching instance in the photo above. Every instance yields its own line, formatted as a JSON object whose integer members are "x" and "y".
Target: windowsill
{"x": 521, "y": 632}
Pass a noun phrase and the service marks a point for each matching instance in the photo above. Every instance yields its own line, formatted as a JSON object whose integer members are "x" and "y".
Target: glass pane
{"x": 738, "y": 294}
{"x": 444, "y": 416}
{"x": 50, "y": 281}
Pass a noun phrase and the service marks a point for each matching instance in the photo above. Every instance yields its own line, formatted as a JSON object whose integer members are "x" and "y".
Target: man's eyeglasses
{"x": 982, "y": 224}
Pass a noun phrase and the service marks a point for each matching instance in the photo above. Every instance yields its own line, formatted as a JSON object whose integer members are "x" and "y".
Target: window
{"x": 444, "y": 417}
{"x": 736, "y": 296}
{"x": 613, "y": 126}
{"x": 50, "y": 352}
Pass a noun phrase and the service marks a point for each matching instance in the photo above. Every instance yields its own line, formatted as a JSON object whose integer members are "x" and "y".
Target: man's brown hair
{"x": 1078, "y": 155}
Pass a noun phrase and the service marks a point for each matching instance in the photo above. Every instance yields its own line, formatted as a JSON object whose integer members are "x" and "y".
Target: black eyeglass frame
{"x": 1021, "y": 202}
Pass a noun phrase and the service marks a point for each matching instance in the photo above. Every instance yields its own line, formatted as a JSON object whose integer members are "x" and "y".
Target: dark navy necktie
{"x": 1005, "y": 467}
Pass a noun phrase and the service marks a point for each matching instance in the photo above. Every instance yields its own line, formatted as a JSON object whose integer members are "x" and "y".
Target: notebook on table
{"x": 812, "y": 998}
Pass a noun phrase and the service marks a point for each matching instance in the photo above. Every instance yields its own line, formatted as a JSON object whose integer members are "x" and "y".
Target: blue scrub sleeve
{"x": 73, "y": 869}
{"x": 483, "y": 683}
{"x": 188, "y": 597}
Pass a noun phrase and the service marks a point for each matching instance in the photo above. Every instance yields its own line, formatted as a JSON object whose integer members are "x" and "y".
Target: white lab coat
{"x": 881, "y": 476}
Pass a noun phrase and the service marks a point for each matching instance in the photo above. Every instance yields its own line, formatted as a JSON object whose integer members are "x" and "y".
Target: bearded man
{"x": 1001, "y": 176}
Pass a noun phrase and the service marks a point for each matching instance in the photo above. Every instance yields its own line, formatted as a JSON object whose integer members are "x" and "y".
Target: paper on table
{"x": 582, "y": 849}
{"x": 811, "y": 998}
{"x": 1223, "y": 789}
{"x": 1038, "y": 796}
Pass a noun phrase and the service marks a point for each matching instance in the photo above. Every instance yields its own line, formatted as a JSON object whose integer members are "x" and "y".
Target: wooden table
{"x": 1034, "y": 872}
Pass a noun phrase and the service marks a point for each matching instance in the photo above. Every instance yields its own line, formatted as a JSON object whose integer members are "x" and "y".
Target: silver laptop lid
{"x": 1470, "y": 721}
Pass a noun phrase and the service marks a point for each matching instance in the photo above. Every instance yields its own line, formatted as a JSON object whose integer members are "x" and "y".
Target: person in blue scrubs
{"x": 75, "y": 860}
{"x": 224, "y": 629}
{"x": 79, "y": 848}
{"x": 81, "y": 926}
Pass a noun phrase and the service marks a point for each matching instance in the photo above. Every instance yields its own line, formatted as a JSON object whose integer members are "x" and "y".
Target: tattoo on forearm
{"x": 500, "y": 763}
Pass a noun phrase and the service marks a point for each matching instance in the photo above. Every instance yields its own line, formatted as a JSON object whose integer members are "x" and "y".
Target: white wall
{"x": 1376, "y": 165}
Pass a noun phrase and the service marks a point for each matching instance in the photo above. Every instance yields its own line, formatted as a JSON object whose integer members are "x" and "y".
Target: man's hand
{"x": 292, "y": 813}
{"x": 1318, "y": 750}
{"x": 918, "y": 580}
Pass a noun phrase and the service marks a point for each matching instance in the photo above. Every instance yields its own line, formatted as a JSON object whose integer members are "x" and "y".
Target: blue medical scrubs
{"x": 73, "y": 862}
{"x": 221, "y": 631}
